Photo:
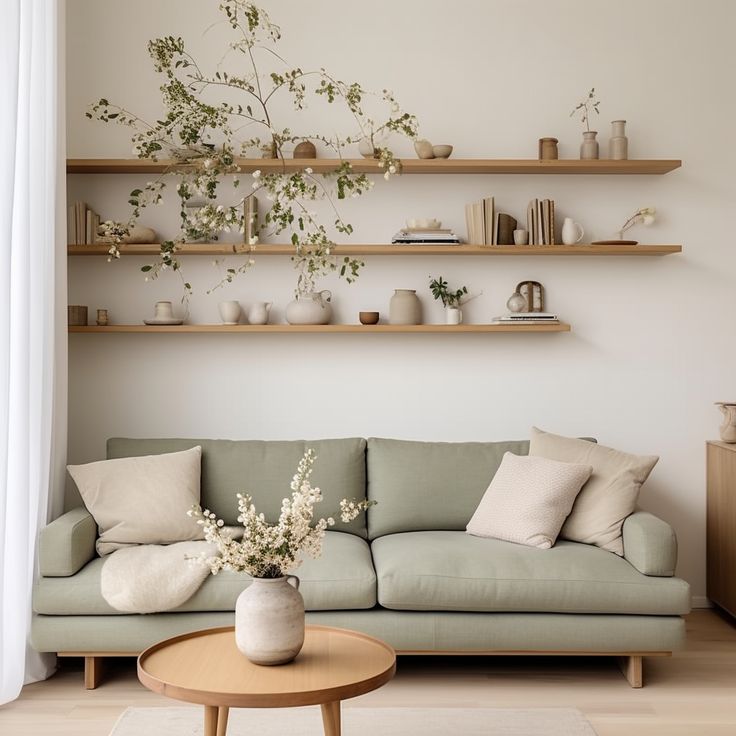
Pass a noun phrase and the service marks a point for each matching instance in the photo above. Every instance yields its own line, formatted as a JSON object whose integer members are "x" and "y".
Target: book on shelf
{"x": 526, "y": 317}
{"x": 81, "y": 225}
{"x": 540, "y": 221}
{"x": 488, "y": 221}
{"x": 425, "y": 236}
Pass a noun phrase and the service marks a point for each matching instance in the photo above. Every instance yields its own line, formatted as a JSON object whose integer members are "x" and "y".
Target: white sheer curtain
{"x": 32, "y": 288}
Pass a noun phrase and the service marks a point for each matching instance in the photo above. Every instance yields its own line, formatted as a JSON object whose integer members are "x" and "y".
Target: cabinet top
{"x": 724, "y": 445}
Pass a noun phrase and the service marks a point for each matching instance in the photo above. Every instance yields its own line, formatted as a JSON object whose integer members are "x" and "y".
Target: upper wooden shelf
{"x": 365, "y": 329}
{"x": 410, "y": 166}
{"x": 225, "y": 249}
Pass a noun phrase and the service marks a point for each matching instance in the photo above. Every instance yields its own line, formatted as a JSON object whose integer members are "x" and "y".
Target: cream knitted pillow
{"x": 528, "y": 500}
{"x": 142, "y": 500}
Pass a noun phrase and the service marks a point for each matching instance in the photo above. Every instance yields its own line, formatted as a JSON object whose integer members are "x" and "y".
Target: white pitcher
{"x": 572, "y": 232}
{"x": 258, "y": 313}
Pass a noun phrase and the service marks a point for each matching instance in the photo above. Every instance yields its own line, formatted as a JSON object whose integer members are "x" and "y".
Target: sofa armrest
{"x": 67, "y": 544}
{"x": 650, "y": 544}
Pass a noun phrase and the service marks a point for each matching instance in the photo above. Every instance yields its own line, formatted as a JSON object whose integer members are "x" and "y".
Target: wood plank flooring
{"x": 690, "y": 694}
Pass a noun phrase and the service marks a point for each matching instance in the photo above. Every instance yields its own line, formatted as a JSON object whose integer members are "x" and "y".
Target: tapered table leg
{"x": 331, "y": 718}
{"x": 210, "y": 720}
{"x": 222, "y": 713}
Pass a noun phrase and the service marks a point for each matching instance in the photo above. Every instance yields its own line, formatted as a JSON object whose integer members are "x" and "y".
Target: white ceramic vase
{"x": 572, "y": 232}
{"x": 310, "y": 309}
{"x": 269, "y": 620}
{"x": 229, "y": 312}
{"x": 258, "y": 313}
{"x": 728, "y": 428}
{"x": 453, "y": 315}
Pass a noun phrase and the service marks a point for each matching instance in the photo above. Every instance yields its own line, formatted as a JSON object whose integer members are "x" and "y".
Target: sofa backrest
{"x": 429, "y": 485}
{"x": 264, "y": 469}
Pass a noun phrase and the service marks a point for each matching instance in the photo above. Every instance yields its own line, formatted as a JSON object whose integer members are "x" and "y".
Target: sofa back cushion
{"x": 422, "y": 486}
{"x": 264, "y": 469}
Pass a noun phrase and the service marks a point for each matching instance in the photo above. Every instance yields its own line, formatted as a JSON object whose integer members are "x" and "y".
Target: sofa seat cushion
{"x": 453, "y": 571}
{"x": 342, "y": 579}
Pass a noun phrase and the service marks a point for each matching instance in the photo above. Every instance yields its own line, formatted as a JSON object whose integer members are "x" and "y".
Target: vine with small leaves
{"x": 201, "y": 139}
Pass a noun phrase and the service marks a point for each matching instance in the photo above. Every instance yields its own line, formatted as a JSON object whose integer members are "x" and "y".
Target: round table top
{"x": 206, "y": 667}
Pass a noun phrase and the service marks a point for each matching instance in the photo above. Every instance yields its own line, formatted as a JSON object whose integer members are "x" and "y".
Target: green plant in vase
{"x": 451, "y": 299}
{"x": 199, "y": 132}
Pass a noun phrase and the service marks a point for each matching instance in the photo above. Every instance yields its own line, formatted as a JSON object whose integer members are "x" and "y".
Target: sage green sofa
{"x": 405, "y": 572}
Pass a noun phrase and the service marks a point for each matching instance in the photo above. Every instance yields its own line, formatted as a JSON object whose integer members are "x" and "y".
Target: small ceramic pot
{"x": 305, "y": 149}
{"x": 521, "y": 237}
{"x": 405, "y": 308}
{"x": 548, "y": 149}
{"x": 442, "y": 151}
{"x": 368, "y": 318}
{"x": 229, "y": 312}
{"x": 163, "y": 311}
{"x": 589, "y": 146}
{"x": 258, "y": 313}
{"x": 269, "y": 620}
{"x": 728, "y": 428}
{"x": 423, "y": 148}
{"x": 453, "y": 315}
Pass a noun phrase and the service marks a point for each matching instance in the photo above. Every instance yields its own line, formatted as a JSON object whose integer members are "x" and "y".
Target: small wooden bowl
{"x": 368, "y": 318}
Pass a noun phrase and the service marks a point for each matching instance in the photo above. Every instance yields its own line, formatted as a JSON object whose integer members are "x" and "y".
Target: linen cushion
{"x": 528, "y": 500}
{"x": 454, "y": 571}
{"x": 264, "y": 469}
{"x": 429, "y": 485}
{"x": 141, "y": 500}
{"x": 608, "y": 497}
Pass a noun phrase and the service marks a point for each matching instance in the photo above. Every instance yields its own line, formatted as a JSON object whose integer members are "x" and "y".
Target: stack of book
{"x": 527, "y": 318}
{"x": 81, "y": 225}
{"x": 425, "y": 236}
{"x": 486, "y": 226}
{"x": 540, "y": 221}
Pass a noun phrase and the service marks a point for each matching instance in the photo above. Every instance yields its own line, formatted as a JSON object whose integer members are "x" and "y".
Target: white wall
{"x": 651, "y": 347}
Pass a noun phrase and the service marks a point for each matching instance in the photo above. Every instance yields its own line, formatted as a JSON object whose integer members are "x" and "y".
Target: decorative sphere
{"x": 516, "y": 302}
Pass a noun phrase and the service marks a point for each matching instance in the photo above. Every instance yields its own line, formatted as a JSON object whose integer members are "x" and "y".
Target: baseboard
{"x": 701, "y": 601}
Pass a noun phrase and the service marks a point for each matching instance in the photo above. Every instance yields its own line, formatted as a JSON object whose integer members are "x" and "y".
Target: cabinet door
{"x": 721, "y": 526}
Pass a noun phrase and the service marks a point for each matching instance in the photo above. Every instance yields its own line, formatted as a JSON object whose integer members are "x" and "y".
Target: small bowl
{"x": 368, "y": 318}
{"x": 442, "y": 151}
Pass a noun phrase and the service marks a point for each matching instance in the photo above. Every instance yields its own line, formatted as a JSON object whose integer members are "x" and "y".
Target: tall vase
{"x": 269, "y": 620}
{"x": 618, "y": 146}
{"x": 589, "y": 146}
{"x": 405, "y": 308}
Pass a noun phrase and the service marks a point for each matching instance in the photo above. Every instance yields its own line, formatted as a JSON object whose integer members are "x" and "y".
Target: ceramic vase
{"x": 229, "y": 312}
{"x": 310, "y": 309}
{"x": 572, "y": 232}
{"x": 269, "y": 620}
{"x": 405, "y": 308}
{"x": 453, "y": 315}
{"x": 618, "y": 146}
{"x": 728, "y": 428}
{"x": 258, "y": 313}
{"x": 589, "y": 146}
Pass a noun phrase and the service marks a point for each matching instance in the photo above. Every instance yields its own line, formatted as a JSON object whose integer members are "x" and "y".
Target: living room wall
{"x": 651, "y": 347}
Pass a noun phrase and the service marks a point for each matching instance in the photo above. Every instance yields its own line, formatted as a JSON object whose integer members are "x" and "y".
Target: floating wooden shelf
{"x": 366, "y": 329}
{"x": 410, "y": 166}
{"x": 225, "y": 249}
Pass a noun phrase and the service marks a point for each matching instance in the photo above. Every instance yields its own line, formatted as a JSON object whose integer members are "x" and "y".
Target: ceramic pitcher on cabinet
{"x": 258, "y": 313}
{"x": 728, "y": 428}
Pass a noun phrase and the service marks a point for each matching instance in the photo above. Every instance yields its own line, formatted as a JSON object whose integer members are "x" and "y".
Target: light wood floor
{"x": 691, "y": 694}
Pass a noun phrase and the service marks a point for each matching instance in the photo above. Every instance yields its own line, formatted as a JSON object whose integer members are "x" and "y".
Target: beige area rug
{"x": 187, "y": 721}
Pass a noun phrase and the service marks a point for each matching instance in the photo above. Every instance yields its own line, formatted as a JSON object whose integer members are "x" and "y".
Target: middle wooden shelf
{"x": 268, "y": 249}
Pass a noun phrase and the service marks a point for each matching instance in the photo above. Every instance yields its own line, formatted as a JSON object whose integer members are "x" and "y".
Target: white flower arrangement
{"x": 645, "y": 216}
{"x": 273, "y": 550}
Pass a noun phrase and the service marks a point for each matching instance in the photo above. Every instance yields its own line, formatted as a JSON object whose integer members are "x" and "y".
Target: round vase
{"x": 618, "y": 146}
{"x": 310, "y": 309}
{"x": 269, "y": 620}
{"x": 453, "y": 315}
{"x": 728, "y": 428}
{"x": 405, "y": 308}
{"x": 589, "y": 146}
{"x": 572, "y": 232}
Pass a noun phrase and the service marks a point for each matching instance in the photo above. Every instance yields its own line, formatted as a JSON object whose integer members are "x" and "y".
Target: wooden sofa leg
{"x": 92, "y": 672}
{"x": 633, "y": 669}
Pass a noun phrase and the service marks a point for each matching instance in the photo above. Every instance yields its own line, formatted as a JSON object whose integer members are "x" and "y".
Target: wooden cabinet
{"x": 721, "y": 525}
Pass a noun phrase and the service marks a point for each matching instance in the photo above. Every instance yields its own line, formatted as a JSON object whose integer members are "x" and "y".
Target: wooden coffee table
{"x": 206, "y": 667}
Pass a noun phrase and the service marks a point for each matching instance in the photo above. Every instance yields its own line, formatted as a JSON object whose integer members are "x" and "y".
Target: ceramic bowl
{"x": 368, "y": 318}
{"x": 442, "y": 151}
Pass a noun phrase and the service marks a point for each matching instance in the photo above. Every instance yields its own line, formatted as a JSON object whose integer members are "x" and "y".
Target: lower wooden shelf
{"x": 366, "y": 329}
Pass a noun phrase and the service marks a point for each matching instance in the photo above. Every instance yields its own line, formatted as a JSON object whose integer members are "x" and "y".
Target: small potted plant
{"x": 589, "y": 146}
{"x": 451, "y": 300}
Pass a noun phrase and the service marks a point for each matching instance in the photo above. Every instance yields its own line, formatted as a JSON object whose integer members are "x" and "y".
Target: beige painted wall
{"x": 652, "y": 346}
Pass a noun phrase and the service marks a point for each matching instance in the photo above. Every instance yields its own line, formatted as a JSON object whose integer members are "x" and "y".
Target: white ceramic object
{"x": 453, "y": 315}
{"x": 269, "y": 620}
{"x": 423, "y": 148}
{"x": 163, "y": 311}
{"x": 442, "y": 151}
{"x": 405, "y": 308}
{"x": 365, "y": 148}
{"x": 618, "y": 145}
{"x": 172, "y": 321}
{"x": 521, "y": 237}
{"x": 516, "y": 303}
{"x": 229, "y": 312}
{"x": 572, "y": 232}
{"x": 728, "y": 428}
{"x": 310, "y": 309}
{"x": 589, "y": 146}
{"x": 258, "y": 313}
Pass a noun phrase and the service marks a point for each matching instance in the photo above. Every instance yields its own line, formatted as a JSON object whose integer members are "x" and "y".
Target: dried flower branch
{"x": 584, "y": 108}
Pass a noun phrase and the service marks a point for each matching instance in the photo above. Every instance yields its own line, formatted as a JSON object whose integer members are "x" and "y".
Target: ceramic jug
{"x": 310, "y": 309}
{"x": 258, "y": 313}
{"x": 728, "y": 428}
{"x": 404, "y": 308}
{"x": 572, "y": 232}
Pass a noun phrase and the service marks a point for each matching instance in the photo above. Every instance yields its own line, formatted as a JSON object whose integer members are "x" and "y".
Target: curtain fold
{"x": 32, "y": 290}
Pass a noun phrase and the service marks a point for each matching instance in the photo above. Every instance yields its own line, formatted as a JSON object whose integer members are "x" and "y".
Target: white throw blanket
{"x": 152, "y": 578}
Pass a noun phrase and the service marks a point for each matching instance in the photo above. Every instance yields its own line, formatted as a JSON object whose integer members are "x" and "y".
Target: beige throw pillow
{"x": 142, "y": 500}
{"x": 608, "y": 497}
{"x": 528, "y": 500}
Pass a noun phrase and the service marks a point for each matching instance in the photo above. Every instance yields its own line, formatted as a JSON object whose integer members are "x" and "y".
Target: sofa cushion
{"x": 453, "y": 571}
{"x": 429, "y": 485}
{"x": 264, "y": 470}
{"x": 342, "y": 579}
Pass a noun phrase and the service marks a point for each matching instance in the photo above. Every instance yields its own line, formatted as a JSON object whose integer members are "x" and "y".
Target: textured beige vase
{"x": 269, "y": 620}
{"x": 728, "y": 428}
